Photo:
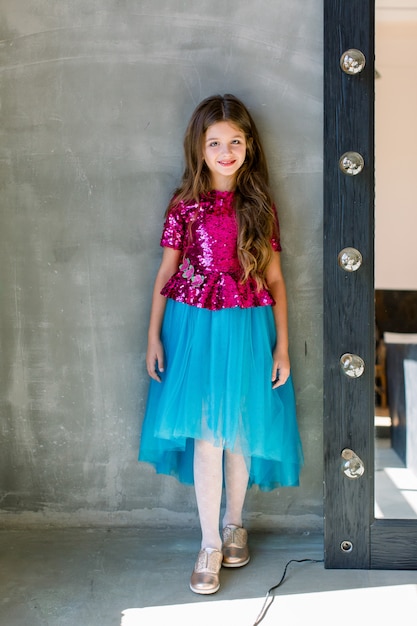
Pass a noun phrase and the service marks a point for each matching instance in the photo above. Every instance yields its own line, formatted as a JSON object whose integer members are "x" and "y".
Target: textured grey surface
{"x": 94, "y": 101}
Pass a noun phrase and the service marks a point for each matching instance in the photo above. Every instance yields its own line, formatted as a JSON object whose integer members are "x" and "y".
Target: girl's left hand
{"x": 280, "y": 369}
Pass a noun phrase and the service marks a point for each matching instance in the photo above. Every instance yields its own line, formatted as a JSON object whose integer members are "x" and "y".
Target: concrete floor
{"x": 132, "y": 577}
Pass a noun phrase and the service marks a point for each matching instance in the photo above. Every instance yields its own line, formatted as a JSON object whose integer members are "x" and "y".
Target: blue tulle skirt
{"x": 217, "y": 386}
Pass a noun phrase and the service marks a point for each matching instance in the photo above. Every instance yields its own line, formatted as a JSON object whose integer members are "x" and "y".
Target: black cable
{"x": 270, "y": 598}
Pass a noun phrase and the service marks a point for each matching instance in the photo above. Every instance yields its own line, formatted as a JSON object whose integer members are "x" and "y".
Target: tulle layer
{"x": 216, "y": 386}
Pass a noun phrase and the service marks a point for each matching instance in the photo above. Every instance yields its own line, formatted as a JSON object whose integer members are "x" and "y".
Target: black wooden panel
{"x": 396, "y": 311}
{"x": 394, "y": 544}
{"x": 348, "y": 297}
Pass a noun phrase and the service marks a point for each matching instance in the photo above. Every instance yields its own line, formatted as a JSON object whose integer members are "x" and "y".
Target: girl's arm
{"x": 276, "y": 286}
{"x": 155, "y": 351}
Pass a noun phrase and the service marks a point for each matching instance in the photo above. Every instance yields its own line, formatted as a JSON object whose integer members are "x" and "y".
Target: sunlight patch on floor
{"x": 395, "y": 485}
{"x": 380, "y": 605}
{"x": 406, "y": 483}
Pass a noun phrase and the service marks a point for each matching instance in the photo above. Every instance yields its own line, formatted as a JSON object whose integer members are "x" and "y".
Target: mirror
{"x": 395, "y": 273}
{"x": 348, "y": 201}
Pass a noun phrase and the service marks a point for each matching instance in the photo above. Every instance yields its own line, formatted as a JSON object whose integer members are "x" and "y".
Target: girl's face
{"x": 224, "y": 152}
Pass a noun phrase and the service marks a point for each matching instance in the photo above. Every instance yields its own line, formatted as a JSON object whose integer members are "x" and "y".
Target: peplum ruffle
{"x": 219, "y": 290}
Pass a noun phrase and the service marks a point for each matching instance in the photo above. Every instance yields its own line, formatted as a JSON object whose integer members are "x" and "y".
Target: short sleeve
{"x": 174, "y": 229}
{"x": 276, "y": 238}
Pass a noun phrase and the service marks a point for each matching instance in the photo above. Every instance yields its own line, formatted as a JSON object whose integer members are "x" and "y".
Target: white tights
{"x": 208, "y": 480}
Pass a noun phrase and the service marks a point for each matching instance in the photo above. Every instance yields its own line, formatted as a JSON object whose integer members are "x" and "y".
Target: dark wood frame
{"x": 353, "y": 538}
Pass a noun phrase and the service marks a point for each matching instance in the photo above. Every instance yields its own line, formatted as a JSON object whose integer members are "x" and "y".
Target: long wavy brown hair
{"x": 253, "y": 202}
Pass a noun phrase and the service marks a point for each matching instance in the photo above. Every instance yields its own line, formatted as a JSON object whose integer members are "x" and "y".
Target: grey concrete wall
{"x": 95, "y": 96}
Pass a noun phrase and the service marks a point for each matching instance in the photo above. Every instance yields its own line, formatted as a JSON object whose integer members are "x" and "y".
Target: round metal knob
{"x": 352, "y": 61}
{"x": 350, "y": 259}
{"x": 352, "y": 466}
{"x": 351, "y": 163}
{"x": 352, "y": 365}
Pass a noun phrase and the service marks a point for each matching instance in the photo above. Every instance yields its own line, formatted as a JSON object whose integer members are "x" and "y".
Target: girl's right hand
{"x": 155, "y": 352}
{"x": 155, "y": 359}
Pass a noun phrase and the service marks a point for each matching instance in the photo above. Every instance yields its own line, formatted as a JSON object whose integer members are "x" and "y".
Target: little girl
{"x": 221, "y": 407}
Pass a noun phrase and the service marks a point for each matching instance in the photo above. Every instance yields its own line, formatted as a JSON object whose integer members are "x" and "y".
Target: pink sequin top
{"x": 209, "y": 275}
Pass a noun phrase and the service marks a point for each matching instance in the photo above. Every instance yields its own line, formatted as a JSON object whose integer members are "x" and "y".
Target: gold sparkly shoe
{"x": 235, "y": 546}
{"x": 205, "y": 577}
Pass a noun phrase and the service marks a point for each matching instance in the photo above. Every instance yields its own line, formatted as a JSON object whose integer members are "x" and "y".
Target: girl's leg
{"x": 208, "y": 481}
{"x": 236, "y": 479}
{"x": 235, "y": 538}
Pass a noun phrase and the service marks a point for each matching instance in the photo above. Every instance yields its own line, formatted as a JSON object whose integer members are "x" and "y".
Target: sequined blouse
{"x": 210, "y": 272}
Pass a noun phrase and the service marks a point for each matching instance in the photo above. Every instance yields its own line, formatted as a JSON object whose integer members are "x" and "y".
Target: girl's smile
{"x": 224, "y": 153}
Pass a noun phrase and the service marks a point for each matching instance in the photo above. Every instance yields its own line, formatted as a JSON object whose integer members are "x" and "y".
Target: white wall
{"x": 395, "y": 143}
